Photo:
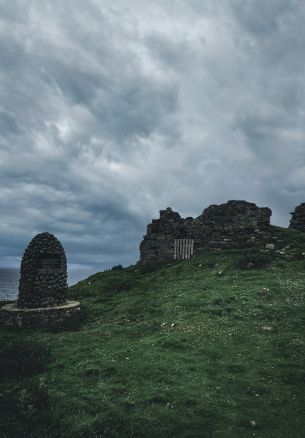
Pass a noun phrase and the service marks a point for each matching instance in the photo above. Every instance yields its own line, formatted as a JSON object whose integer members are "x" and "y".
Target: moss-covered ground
{"x": 208, "y": 347}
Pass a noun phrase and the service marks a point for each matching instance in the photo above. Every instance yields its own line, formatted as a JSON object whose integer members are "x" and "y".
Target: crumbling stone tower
{"x": 297, "y": 221}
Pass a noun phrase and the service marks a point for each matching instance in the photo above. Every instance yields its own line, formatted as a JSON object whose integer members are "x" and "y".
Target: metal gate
{"x": 184, "y": 249}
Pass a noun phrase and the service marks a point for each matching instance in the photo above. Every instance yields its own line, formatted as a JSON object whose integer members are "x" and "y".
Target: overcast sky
{"x": 113, "y": 110}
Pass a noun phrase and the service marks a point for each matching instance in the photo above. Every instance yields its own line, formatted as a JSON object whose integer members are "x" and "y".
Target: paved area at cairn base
{"x": 45, "y": 317}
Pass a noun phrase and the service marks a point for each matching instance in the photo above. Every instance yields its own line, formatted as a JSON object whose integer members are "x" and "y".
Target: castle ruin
{"x": 231, "y": 225}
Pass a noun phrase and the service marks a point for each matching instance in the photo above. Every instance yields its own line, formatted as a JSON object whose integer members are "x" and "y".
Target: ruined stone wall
{"x": 43, "y": 274}
{"x": 297, "y": 221}
{"x": 158, "y": 244}
{"x": 233, "y": 224}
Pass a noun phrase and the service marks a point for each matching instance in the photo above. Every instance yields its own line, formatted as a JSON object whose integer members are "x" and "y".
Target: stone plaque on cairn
{"x": 43, "y": 287}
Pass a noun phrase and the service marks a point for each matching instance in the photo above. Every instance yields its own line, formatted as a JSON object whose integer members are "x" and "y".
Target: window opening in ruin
{"x": 48, "y": 261}
{"x": 183, "y": 249}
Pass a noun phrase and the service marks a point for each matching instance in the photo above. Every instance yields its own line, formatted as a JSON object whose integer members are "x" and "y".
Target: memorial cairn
{"x": 43, "y": 289}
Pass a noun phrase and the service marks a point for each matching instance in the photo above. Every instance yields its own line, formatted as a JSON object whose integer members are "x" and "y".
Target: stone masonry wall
{"x": 233, "y": 224}
{"x": 58, "y": 317}
{"x": 43, "y": 274}
{"x": 297, "y": 221}
{"x": 158, "y": 244}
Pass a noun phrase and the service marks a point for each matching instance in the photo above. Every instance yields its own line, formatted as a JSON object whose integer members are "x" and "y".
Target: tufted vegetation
{"x": 196, "y": 348}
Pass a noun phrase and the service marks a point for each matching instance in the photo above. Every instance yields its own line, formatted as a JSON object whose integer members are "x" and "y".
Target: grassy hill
{"x": 209, "y": 347}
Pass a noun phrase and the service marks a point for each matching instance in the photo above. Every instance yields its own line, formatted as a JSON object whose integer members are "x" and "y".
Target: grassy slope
{"x": 198, "y": 348}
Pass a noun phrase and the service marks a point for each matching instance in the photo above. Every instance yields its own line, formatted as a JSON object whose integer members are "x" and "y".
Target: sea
{"x": 9, "y": 281}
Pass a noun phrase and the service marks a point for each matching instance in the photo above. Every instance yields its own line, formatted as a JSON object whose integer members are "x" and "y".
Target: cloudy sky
{"x": 113, "y": 110}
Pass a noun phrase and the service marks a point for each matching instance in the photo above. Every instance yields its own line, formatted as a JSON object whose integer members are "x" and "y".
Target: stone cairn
{"x": 43, "y": 276}
{"x": 231, "y": 225}
{"x": 43, "y": 288}
{"x": 297, "y": 221}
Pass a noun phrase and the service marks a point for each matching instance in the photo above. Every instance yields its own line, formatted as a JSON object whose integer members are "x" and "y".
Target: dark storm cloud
{"x": 110, "y": 112}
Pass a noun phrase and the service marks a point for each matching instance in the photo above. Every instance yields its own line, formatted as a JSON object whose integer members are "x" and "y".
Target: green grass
{"x": 209, "y": 347}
